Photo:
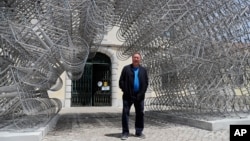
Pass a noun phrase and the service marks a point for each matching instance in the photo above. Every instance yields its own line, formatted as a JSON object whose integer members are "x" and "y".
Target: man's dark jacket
{"x": 126, "y": 83}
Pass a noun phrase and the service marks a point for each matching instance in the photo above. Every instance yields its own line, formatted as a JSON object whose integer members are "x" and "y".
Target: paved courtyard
{"x": 104, "y": 124}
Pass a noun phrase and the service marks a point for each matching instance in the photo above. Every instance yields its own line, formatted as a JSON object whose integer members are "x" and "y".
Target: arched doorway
{"x": 94, "y": 87}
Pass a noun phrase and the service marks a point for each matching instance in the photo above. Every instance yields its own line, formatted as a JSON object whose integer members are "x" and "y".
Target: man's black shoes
{"x": 124, "y": 136}
{"x": 140, "y": 136}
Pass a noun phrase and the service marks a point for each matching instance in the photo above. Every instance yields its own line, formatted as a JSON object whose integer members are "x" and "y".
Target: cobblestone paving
{"x": 104, "y": 124}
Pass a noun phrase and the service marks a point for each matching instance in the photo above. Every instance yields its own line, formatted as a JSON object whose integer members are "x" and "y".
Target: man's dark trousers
{"x": 139, "y": 118}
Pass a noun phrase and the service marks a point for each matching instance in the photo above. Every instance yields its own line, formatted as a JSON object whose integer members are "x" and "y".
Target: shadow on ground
{"x": 115, "y": 135}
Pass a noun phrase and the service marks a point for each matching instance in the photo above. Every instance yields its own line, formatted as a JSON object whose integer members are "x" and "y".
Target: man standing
{"x": 133, "y": 83}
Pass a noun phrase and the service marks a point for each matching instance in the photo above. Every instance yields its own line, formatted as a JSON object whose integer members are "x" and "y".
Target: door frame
{"x": 116, "y": 92}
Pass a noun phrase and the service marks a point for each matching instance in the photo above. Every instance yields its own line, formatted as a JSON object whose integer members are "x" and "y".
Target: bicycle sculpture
{"x": 196, "y": 52}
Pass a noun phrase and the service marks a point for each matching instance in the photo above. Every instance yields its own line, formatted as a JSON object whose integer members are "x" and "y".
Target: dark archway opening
{"x": 94, "y": 87}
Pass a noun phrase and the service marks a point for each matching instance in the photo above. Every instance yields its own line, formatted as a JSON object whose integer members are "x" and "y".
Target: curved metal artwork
{"x": 196, "y": 52}
{"x": 39, "y": 40}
